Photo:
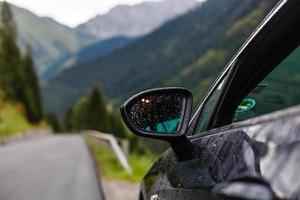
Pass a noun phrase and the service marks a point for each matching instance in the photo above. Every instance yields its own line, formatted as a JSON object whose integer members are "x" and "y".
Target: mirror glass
{"x": 158, "y": 113}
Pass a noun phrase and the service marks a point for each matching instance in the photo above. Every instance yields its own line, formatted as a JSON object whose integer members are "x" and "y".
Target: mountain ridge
{"x": 131, "y": 21}
{"x": 52, "y": 41}
{"x": 48, "y": 38}
{"x": 195, "y": 40}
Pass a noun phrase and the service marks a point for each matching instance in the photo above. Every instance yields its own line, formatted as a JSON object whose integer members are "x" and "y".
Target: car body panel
{"x": 267, "y": 147}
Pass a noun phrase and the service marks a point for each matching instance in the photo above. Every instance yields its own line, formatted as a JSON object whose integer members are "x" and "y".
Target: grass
{"x": 110, "y": 169}
{"x": 12, "y": 119}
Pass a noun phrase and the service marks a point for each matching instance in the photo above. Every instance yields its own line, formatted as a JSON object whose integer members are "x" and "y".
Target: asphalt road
{"x": 47, "y": 168}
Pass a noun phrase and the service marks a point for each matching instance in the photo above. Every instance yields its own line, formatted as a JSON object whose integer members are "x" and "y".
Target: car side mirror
{"x": 162, "y": 113}
{"x": 158, "y": 113}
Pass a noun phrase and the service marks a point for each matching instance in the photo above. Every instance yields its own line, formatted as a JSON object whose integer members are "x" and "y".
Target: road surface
{"x": 47, "y": 168}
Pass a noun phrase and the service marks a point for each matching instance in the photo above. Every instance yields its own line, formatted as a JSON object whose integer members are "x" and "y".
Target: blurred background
{"x": 66, "y": 66}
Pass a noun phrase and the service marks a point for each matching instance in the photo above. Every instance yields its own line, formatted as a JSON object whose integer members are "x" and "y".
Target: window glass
{"x": 207, "y": 110}
{"x": 279, "y": 90}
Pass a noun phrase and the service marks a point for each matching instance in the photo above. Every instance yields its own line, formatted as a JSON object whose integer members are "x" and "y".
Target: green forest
{"x": 189, "y": 51}
{"x": 20, "y": 96}
{"x": 21, "y": 106}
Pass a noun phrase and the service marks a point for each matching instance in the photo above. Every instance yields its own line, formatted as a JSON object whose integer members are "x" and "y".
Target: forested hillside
{"x": 49, "y": 39}
{"x": 188, "y": 51}
{"x": 95, "y": 50}
{"x": 53, "y": 42}
{"x": 19, "y": 89}
{"x": 20, "y": 101}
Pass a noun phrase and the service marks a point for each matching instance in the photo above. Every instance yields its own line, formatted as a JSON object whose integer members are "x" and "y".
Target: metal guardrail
{"x": 113, "y": 142}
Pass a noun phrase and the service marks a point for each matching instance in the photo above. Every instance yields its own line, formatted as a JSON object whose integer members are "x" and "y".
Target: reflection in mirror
{"x": 158, "y": 113}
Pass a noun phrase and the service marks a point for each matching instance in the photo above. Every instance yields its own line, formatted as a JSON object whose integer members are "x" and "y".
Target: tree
{"x": 10, "y": 60}
{"x": 54, "y": 123}
{"x": 31, "y": 97}
{"x": 8, "y": 21}
{"x": 68, "y": 120}
{"x": 18, "y": 79}
{"x": 91, "y": 113}
{"x": 98, "y": 115}
{"x": 80, "y": 118}
{"x": 10, "y": 79}
{"x": 117, "y": 127}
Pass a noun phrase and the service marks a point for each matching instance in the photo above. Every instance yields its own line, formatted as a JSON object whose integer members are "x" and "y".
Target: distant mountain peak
{"x": 136, "y": 20}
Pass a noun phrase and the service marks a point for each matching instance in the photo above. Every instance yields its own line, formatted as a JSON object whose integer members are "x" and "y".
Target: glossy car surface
{"x": 257, "y": 158}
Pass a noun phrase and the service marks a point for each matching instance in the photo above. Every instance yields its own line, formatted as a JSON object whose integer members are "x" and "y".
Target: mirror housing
{"x": 162, "y": 113}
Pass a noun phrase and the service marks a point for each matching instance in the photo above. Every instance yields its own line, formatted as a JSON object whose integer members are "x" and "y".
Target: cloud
{"x": 71, "y": 12}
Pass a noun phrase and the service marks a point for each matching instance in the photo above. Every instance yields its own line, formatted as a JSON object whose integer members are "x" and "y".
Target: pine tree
{"x": 18, "y": 79}
{"x": 10, "y": 78}
{"x": 31, "y": 96}
{"x": 90, "y": 113}
{"x": 68, "y": 120}
{"x": 80, "y": 116}
{"x": 54, "y": 123}
{"x": 98, "y": 115}
{"x": 117, "y": 127}
{"x": 8, "y": 22}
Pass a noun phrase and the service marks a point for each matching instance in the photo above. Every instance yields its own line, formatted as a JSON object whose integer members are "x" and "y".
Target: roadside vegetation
{"x": 110, "y": 169}
{"x": 12, "y": 119}
{"x": 20, "y": 102}
{"x": 92, "y": 113}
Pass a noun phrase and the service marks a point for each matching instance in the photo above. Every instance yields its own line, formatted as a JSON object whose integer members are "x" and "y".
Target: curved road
{"x": 47, "y": 168}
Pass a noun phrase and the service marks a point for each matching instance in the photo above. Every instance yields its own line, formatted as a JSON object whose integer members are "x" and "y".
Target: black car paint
{"x": 265, "y": 147}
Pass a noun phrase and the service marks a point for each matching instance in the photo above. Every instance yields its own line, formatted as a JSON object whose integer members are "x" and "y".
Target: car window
{"x": 207, "y": 109}
{"x": 279, "y": 90}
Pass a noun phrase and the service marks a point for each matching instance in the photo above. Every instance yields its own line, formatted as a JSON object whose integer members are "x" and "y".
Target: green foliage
{"x": 54, "y": 123}
{"x": 49, "y": 39}
{"x": 7, "y": 19}
{"x": 90, "y": 52}
{"x": 17, "y": 76}
{"x": 10, "y": 78}
{"x": 68, "y": 122}
{"x": 184, "y": 47}
{"x": 90, "y": 113}
{"x": 80, "y": 116}
{"x": 97, "y": 112}
{"x": 200, "y": 75}
{"x": 12, "y": 119}
{"x": 110, "y": 168}
{"x": 32, "y": 98}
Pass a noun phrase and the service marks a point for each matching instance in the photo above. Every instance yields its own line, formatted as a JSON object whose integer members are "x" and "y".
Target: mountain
{"x": 53, "y": 42}
{"x": 189, "y": 51}
{"x": 49, "y": 39}
{"x": 95, "y": 50}
{"x": 113, "y": 28}
{"x": 137, "y": 20}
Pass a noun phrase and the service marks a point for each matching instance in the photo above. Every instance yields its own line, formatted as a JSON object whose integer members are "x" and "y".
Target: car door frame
{"x": 259, "y": 42}
{"x": 253, "y": 62}
{"x": 271, "y": 43}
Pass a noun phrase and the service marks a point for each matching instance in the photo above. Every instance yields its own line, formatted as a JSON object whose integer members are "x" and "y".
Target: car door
{"x": 265, "y": 148}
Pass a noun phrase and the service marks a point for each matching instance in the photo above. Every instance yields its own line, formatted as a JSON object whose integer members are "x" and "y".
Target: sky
{"x": 71, "y": 12}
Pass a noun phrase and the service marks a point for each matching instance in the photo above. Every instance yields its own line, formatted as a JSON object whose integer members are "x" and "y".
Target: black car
{"x": 243, "y": 141}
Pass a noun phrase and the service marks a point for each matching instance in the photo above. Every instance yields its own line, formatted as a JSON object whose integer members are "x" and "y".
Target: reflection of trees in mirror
{"x": 157, "y": 113}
